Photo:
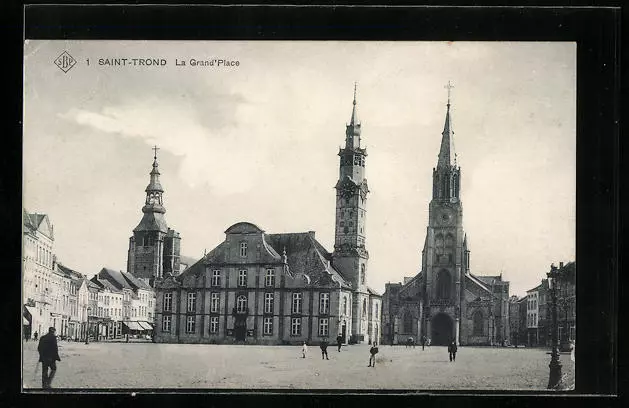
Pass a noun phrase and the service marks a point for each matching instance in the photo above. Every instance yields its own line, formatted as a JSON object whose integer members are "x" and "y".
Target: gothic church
{"x": 445, "y": 301}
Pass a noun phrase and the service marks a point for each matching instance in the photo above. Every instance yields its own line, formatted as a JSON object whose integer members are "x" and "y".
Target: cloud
{"x": 177, "y": 130}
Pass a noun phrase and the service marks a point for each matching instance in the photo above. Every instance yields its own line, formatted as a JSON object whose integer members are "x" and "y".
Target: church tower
{"x": 153, "y": 248}
{"x": 445, "y": 251}
{"x": 350, "y": 255}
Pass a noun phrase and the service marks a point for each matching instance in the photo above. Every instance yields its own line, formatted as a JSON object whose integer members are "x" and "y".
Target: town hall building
{"x": 279, "y": 288}
{"x": 445, "y": 301}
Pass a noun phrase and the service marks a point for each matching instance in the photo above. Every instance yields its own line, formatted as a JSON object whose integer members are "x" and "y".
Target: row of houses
{"x": 530, "y": 316}
{"x": 109, "y": 305}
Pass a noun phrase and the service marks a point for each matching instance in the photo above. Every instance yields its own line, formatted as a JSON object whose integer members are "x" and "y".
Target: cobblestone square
{"x": 145, "y": 365}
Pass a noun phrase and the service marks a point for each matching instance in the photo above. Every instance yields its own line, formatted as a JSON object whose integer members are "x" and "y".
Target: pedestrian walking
{"x": 35, "y": 336}
{"x": 324, "y": 349}
{"x": 304, "y": 350}
{"x": 373, "y": 351}
{"x": 452, "y": 350}
{"x": 48, "y": 355}
{"x": 339, "y": 341}
{"x": 423, "y": 342}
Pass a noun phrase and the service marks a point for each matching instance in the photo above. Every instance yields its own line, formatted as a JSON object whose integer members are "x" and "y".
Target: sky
{"x": 258, "y": 142}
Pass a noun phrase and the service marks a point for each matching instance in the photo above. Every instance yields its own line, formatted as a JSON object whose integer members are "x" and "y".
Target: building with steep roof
{"x": 445, "y": 301}
{"x": 39, "y": 278}
{"x": 281, "y": 288}
{"x": 154, "y": 248}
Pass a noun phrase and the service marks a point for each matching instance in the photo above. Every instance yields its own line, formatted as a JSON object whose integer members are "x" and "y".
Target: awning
{"x": 145, "y": 325}
{"x": 133, "y": 325}
{"x": 31, "y": 309}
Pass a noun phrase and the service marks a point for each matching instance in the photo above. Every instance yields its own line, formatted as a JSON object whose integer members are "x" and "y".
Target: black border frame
{"x": 597, "y": 33}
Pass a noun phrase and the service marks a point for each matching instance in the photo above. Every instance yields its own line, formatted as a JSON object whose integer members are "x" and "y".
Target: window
{"x": 324, "y": 303}
{"x": 344, "y": 305}
{"x": 214, "y": 302}
{"x": 408, "y": 322}
{"x": 362, "y": 274}
{"x": 192, "y": 300}
{"x": 296, "y": 307}
{"x": 168, "y": 302}
{"x": 443, "y": 284}
{"x": 214, "y": 324}
{"x": 269, "y": 279}
{"x": 190, "y": 321}
{"x": 364, "y": 307}
{"x": 295, "y": 327}
{"x": 323, "y": 327}
{"x": 216, "y": 277}
{"x": 242, "y": 277}
{"x": 477, "y": 321}
{"x": 241, "y": 304}
{"x": 375, "y": 311}
{"x": 243, "y": 249}
{"x": 166, "y": 323}
{"x": 268, "y": 326}
{"x": 268, "y": 303}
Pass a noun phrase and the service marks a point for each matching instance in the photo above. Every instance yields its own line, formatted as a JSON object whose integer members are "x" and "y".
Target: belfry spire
{"x": 352, "y": 133}
{"x": 447, "y": 155}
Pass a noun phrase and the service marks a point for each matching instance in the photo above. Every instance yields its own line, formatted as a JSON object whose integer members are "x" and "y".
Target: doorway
{"x": 240, "y": 329}
{"x": 344, "y": 332}
{"x": 442, "y": 332}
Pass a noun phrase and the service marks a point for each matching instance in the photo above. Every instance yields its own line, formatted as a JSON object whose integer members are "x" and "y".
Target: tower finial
{"x": 155, "y": 148}
{"x": 355, "y": 84}
{"x": 449, "y": 87}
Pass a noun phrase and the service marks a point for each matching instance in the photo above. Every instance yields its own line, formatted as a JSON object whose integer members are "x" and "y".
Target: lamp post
{"x": 554, "y": 377}
{"x": 87, "y": 331}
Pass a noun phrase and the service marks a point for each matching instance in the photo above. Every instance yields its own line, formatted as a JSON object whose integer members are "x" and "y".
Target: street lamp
{"x": 87, "y": 331}
{"x": 554, "y": 377}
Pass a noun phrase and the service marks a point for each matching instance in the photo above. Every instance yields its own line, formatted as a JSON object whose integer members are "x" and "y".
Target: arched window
{"x": 362, "y": 274}
{"x": 443, "y": 284}
{"x": 408, "y": 322}
{"x": 435, "y": 187}
{"x": 455, "y": 186}
{"x": 344, "y": 305}
{"x": 241, "y": 304}
{"x": 364, "y": 307}
{"x": 477, "y": 320}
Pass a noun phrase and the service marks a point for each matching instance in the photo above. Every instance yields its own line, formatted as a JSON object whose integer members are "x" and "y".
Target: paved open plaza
{"x": 147, "y": 365}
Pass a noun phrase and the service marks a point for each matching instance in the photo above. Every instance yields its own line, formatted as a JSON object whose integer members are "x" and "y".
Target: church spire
{"x": 447, "y": 155}
{"x": 154, "y": 190}
{"x": 352, "y": 133}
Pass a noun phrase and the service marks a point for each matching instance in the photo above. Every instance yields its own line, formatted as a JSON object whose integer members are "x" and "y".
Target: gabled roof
{"x": 372, "y": 292}
{"x": 37, "y": 222}
{"x": 299, "y": 249}
{"x": 135, "y": 282}
{"x": 477, "y": 281}
{"x": 72, "y": 274}
{"x": 115, "y": 278}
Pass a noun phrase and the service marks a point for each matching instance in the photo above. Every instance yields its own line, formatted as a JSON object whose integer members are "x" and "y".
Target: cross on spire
{"x": 449, "y": 87}
{"x": 155, "y": 148}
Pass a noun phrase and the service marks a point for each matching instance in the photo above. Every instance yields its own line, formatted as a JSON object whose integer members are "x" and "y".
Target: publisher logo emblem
{"x": 65, "y": 61}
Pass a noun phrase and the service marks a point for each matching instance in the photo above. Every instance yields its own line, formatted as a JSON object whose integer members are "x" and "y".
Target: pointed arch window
{"x": 364, "y": 307}
{"x": 362, "y": 274}
{"x": 444, "y": 282}
{"x": 477, "y": 323}
{"x": 455, "y": 185}
{"x": 408, "y": 322}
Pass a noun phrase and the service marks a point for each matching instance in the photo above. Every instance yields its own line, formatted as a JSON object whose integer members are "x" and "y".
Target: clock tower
{"x": 153, "y": 248}
{"x": 350, "y": 255}
{"x": 445, "y": 252}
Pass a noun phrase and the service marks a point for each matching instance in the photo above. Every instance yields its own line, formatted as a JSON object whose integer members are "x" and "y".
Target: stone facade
{"x": 445, "y": 301}
{"x": 264, "y": 288}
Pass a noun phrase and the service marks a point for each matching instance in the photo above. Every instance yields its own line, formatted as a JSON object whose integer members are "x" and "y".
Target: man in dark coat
{"x": 423, "y": 341}
{"x": 324, "y": 349}
{"x": 48, "y": 355}
{"x": 339, "y": 341}
{"x": 452, "y": 350}
{"x": 373, "y": 351}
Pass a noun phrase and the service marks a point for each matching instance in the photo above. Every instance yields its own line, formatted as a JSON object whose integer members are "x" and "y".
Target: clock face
{"x": 445, "y": 217}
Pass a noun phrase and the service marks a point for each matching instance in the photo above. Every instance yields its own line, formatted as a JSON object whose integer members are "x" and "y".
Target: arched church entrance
{"x": 442, "y": 330}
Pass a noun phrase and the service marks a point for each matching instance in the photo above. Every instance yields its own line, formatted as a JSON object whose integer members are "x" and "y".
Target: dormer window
{"x": 243, "y": 249}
